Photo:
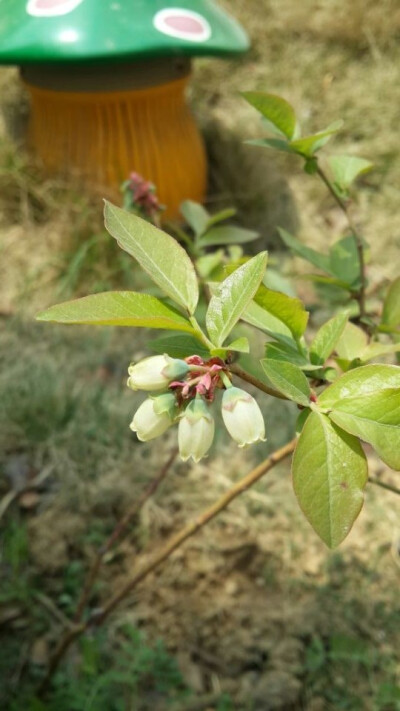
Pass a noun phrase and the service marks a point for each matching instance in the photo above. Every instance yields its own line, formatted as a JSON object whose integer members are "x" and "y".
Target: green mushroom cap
{"x": 47, "y": 31}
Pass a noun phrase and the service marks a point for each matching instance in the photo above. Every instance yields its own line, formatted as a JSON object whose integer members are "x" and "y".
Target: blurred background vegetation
{"x": 254, "y": 614}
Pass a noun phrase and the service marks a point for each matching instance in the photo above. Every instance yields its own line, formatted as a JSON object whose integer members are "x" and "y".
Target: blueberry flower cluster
{"x": 183, "y": 391}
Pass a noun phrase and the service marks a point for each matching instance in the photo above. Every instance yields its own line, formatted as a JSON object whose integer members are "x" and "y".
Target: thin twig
{"x": 237, "y": 370}
{"x": 65, "y": 642}
{"x": 14, "y": 494}
{"x": 174, "y": 543}
{"x": 118, "y": 531}
{"x": 47, "y": 603}
{"x": 195, "y": 525}
{"x": 360, "y": 295}
{"x": 384, "y": 485}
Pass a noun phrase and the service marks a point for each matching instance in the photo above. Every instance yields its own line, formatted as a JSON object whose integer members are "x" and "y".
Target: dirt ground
{"x": 254, "y": 612}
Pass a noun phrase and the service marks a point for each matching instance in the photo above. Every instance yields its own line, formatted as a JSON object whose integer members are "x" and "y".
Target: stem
{"x": 360, "y": 294}
{"x": 199, "y": 333}
{"x": 195, "y": 525}
{"x": 237, "y": 370}
{"x": 64, "y": 644}
{"x": 384, "y": 485}
{"x": 175, "y": 542}
{"x": 118, "y": 531}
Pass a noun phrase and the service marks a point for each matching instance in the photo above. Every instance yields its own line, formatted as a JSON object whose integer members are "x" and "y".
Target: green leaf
{"x": 118, "y": 308}
{"x": 309, "y": 145}
{"x": 275, "y": 143}
{"x": 196, "y": 216}
{"x": 391, "y": 306}
{"x": 344, "y": 260}
{"x": 260, "y": 318}
{"x": 328, "y": 281}
{"x": 232, "y": 297}
{"x": 327, "y": 338}
{"x": 366, "y": 402}
{"x": 329, "y": 475}
{"x": 301, "y": 420}
{"x": 382, "y": 328}
{"x": 283, "y": 352}
{"x": 375, "y": 418}
{"x": 158, "y": 254}
{"x": 346, "y": 169}
{"x": 240, "y": 345}
{"x": 221, "y": 216}
{"x": 289, "y": 380}
{"x": 287, "y": 309}
{"x": 365, "y": 380}
{"x": 321, "y": 261}
{"x": 376, "y": 350}
{"x": 179, "y": 346}
{"x": 206, "y": 264}
{"x": 226, "y": 234}
{"x": 352, "y": 343}
{"x": 276, "y": 110}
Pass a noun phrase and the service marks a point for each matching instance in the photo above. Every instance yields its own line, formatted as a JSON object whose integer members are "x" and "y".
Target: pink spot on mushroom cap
{"x": 48, "y": 8}
{"x": 182, "y": 24}
{"x": 185, "y": 24}
{"x": 49, "y": 4}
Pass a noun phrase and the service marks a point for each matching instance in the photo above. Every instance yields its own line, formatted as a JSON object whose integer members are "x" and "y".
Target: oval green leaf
{"x": 278, "y": 112}
{"x": 226, "y": 234}
{"x": 366, "y": 380}
{"x": 391, "y": 306}
{"x": 290, "y": 311}
{"x": 165, "y": 261}
{"x": 327, "y": 337}
{"x": 232, "y": 297}
{"x": 118, "y": 308}
{"x": 289, "y": 380}
{"x": 179, "y": 346}
{"x": 329, "y": 475}
{"x": 346, "y": 169}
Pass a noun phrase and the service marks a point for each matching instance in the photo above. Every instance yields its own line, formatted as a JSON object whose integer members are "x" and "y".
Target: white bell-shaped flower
{"x": 242, "y": 417}
{"x": 153, "y": 417}
{"x": 196, "y": 431}
{"x": 155, "y": 373}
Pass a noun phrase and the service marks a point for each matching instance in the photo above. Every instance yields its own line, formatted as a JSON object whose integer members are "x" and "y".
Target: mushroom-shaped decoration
{"x": 107, "y": 80}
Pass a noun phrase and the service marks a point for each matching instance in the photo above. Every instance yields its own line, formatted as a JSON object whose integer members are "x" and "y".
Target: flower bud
{"x": 242, "y": 417}
{"x": 154, "y": 417}
{"x": 196, "y": 431}
{"x": 156, "y": 372}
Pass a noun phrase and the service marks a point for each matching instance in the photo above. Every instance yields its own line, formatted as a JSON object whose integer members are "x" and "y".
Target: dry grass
{"x": 331, "y": 59}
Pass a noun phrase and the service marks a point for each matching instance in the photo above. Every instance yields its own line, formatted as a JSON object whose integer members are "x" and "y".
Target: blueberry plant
{"x": 343, "y": 395}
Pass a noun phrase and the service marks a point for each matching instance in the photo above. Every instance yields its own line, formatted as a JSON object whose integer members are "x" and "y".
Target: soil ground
{"x": 254, "y": 614}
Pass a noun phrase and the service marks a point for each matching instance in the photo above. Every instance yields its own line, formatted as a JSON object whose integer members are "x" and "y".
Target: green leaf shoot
{"x": 309, "y": 145}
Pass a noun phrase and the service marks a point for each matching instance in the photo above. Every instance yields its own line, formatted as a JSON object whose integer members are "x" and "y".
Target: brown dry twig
{"x": 166, "y": 551}
{"x": 118, "y": 531}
